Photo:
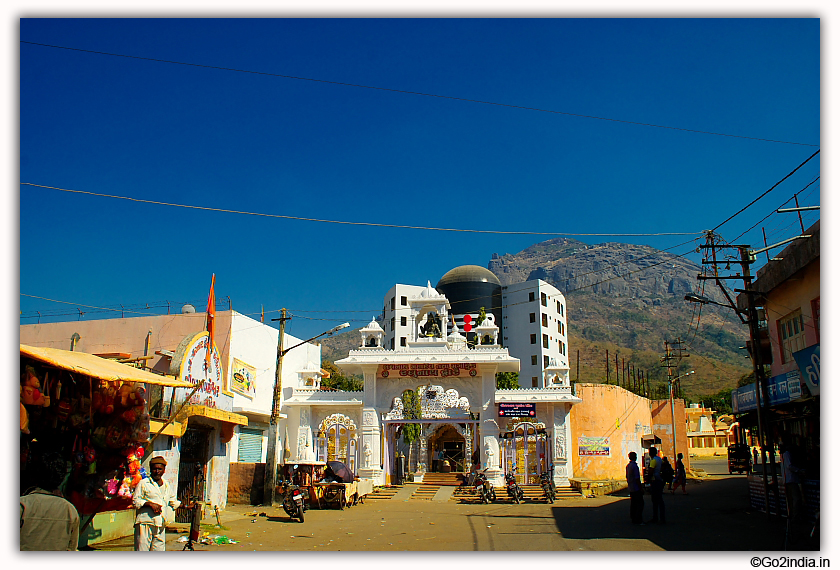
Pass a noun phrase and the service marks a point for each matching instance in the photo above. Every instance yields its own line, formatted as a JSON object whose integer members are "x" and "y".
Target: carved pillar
{"x": 305, "y": 447}
{"x": 423, "y": 451}
{"x": 371, "y": 433}
{"x": 468, "y": 437}
{"x": 562, "y": 459}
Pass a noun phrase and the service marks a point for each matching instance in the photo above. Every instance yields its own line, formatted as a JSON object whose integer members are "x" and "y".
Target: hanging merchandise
{"x": 31, "y": 393}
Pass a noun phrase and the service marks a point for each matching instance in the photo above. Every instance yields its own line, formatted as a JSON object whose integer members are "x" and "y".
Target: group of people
{"x": 657, "y": 474}
{"x": 48, "y": 521}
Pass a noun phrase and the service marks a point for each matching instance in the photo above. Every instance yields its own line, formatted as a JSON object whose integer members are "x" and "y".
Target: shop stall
{"x": 327, "y": 484}
{"x": 94, "y": 413}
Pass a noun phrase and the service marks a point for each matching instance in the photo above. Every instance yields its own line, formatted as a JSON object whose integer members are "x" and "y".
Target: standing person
{"x": 151, "y": 497}
{"x": 793, "y": 492}
{"x": 47, "y": 520}
{"x": 667, "y": 472}
{"x": 679, "y": 475}
{"x": 637, "y": 491}
{"x": 657, "y": 485}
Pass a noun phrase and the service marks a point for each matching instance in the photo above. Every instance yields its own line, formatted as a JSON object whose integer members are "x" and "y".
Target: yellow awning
{"x": 213, "y": 414}
{"x": 96, "y": 367}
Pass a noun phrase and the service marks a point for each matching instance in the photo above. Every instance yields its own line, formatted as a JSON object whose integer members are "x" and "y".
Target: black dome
{"x": 468, "y": 274}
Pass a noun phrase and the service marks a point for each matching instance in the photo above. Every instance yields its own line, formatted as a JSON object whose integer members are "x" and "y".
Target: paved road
{"x": 714, "y": 516}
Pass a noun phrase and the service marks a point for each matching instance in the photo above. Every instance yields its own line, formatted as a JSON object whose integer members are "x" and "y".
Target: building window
{"x": 559, "y": 308}
{"x": 545, "y": 341}
{"x": 791, "y": 334}
{"x": 533, "y": 339}
{"x": 562, "y": 348}
{"x": 403, "y": 321}
{"x": 543, "y": 299}
{"x": 561, "y": 311}
{"x": 544, "y": 320}
{"x": 560, "y": 327}
{"x": 392, "y": 344}
{"x": 533, "y": 360}
{"x": 402, "y": 341}
{"x": 545, "y": 361}
{"x": 403, "y": 301}
{"x": 393, "y": 303}
{"x": 392, "y": 323}
{"x": 531, "y": 296}
{"x": 534, "y": 382}
{"x": 533, "y": 317}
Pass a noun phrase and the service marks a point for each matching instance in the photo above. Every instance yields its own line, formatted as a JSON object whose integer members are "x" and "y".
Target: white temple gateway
{"x": 463, "y": 417}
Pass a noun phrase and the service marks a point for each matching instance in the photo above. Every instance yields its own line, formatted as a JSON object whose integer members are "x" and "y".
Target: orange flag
{"x": 211, "y": 319}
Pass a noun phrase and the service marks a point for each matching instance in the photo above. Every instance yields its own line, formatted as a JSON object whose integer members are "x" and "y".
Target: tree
{"x": 338, "y": 381}
{"x": 507, "y": 380}
{"x": 749, "y": 378}
{"x": 411, "y": 411}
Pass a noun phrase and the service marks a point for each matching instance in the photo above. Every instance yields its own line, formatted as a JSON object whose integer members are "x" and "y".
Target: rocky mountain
{"x": 626, "y": 300}
{"x": 629, "y": 299}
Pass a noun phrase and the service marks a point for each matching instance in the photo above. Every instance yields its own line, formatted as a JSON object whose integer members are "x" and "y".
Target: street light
{"x": 271, "y": 449}
{"x": 673, "y": 420}
{"x": 692, "y": 298}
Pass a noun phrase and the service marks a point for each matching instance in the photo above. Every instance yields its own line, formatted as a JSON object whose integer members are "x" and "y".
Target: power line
{"x": 774, "y": 210}
{"x": 406, "y": 92}
{"x": 227, "y": 211}
{"x": 767, "y": 192}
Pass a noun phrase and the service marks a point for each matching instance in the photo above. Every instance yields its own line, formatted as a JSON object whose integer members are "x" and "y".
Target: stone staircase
{"x": 444, "y": 479}
{"x": 425, "y": 492}
{"x": 380, "y": 493}
{"x": 533, "y": 494}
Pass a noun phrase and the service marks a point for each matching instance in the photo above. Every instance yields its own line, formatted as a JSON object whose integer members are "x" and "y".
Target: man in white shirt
{"x": 152, "y": 497}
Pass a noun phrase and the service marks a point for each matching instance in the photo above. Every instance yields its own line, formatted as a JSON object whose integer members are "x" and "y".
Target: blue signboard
{"x": 808, "y": 360}
{"x": 779, "y": 389}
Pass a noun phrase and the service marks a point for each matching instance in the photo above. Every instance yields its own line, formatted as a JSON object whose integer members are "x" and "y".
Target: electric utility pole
{"x": 668, "y": 362}
{"x": 750, "y": 318}
{"x": 271, "y": 450}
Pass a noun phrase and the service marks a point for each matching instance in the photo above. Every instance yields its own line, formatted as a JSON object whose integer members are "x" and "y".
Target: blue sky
{"x": 256, "y": 142}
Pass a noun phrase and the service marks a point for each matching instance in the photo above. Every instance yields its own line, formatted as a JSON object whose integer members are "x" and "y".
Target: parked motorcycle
{"x": 294, "y": 501}
{"x": 485, "y": 490}
{"x": 514, "y": 491}
{"x": 548, "y": 486}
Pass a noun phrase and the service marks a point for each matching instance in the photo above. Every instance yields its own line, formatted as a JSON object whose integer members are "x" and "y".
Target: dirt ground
{"x": 703, "y": 520}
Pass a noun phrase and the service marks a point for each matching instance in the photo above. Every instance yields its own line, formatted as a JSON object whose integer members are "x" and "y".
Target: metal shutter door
{"x": 250, "y": 445}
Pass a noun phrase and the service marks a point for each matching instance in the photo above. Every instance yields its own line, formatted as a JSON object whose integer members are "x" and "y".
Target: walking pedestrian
{"x": 667, "y": 472}
{"x": 47, "y": 520}
{"x": 155, "y": 502}
{"x": 637, "y": 491}
{"x": 793, "y": 492}
{"x": 679, "y": 475}
{"x": 657, "y": 485}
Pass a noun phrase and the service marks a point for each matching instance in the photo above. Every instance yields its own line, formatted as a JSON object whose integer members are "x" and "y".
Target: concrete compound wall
{"x": 612, "y": 412}
{"x": 245, "y": 486}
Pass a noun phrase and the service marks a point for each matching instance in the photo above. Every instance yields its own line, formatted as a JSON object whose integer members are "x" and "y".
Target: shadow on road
{"x": 714, "y": 516}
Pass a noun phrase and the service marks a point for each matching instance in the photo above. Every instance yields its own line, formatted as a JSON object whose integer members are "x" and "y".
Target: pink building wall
{"x": 799, "y": 292}
{"x": 129, "y": 335}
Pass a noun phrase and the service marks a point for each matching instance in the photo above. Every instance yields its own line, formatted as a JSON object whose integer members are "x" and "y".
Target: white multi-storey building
{"x": 534, "y": 330}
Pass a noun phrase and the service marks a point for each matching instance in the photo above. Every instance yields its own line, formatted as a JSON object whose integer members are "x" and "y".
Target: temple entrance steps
{"x": 444, "y": 479}
{"x": 533, "y": 493}
{"x": 384, "y": 492}
{"x": 425, "y": 492}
